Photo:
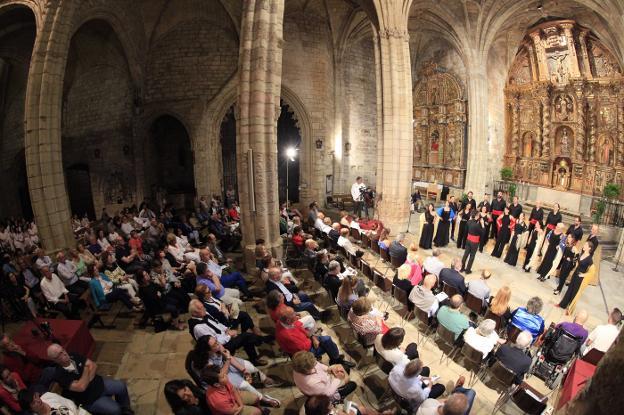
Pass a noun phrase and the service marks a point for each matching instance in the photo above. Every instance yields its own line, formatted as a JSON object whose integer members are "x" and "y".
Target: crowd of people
{"x": 550, "y": 248}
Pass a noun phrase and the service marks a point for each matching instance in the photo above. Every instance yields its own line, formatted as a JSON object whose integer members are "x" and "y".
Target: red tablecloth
{"x": 73, "y": 335}
{"x": 579, "y": 373}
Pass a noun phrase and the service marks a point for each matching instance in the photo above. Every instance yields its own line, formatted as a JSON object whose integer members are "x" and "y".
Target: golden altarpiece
{"x": 564, "y": 109}
{"x": 439, "y": 128}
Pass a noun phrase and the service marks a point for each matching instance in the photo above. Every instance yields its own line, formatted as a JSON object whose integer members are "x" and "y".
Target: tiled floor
{"x": 147, "y": 360}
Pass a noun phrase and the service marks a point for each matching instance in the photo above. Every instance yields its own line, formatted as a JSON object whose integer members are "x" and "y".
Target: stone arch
{"x": 32, "y": 5}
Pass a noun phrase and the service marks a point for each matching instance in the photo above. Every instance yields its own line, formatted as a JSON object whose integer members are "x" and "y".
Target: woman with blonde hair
{"x": 415, "y": 263}
{"x": 384, "y": 241}
{"x": 499, "y": 304}
{"x": 346, "y": 294}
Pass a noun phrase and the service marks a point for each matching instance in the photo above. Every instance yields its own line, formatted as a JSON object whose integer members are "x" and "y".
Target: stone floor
{"x": 147, "y": 360}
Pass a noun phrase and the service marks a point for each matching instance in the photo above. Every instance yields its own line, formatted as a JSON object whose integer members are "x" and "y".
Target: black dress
{"x": 568, "y": 261}
{"x": 426, "y": 237}
{"x": 442, "y": 235}
{"x": 487, "y": 222}
{"x": 502, "y": 236}
{"x": 530, "y": 248}
{"x": 549, "y": 257}
{"x": 462, "y": 233}
{"x": 512, "y": 253}
{"x": 576, "y": 282}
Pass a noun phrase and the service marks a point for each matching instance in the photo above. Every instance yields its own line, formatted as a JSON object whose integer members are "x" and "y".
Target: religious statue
{"x": 562, "y": 175}
{"x": 564, "y": 108}
{"x": 527, "y": 144}
{"x": 606, "y": 151}
{"x": 435, "y": 141}
{"x": 564, "y": 142}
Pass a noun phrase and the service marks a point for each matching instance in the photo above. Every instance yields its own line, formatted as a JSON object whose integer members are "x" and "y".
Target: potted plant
{"x": 506, "y": 174}
{"x": 611, "y": 191}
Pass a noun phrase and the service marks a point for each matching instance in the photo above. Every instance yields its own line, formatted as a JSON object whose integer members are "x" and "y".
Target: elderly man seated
{"x": 294, "y": 298}
{"x": 422, "y": 296}
{"x": 514, "y": 356}
{"x": 458, "y": 403}
{"x": 292, "y": 337}
{"x": 42, "y": 259}
{"x": 479, "y": 288}
{"x": 229, "y": 296}
{"x": 528, "y": 318}
{"x": 66, "y": 270}
{"x": 397, "y": 249}
{"x": 233, "y": 280}
{"x": 57, "y": 294}
{"x": 411, "y": 381}
{"x": 451, "y": 318}
{"x": 202, "y": 324}
{"x": 77, "y": 376}
{"x": 432, "y": 264}
{"x": 603, "y": 336}
{"x": 484, "y": 337}
{"x": 575, "y": 327}
{"x": 452, "y": 277}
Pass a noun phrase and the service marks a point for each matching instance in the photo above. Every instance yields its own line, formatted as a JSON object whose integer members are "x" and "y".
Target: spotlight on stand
{"x": 291, "y": 153}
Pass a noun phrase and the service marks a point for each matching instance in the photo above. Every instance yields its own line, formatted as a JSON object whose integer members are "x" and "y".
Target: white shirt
{"x": 480, "y": 343}
{"x": 429, "y": 407}
{"x": 103, "y": 244}
{"x": 408, "y": 388}
{"x": 43, "y": 262}
{"x": 288, "y": 296}
{"x": 203, "y": 329}
{"x": 62, "y": 405}
{"x": 127, "y": 228}
{"x": 602, "y": 337}
{"x": 53, "y": 289}
{"x": 433, "y": 265}
{"x": 67, "y": 271}
{"x": 355, "y": 191}
{"x": 395, "y": 356}
{"x": 346, "y": 244}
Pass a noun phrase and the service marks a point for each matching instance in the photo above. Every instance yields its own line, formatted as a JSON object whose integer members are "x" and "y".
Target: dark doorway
{"x": 171, "y": 161}
{"x": 79, "y": 190}
{"x": 288, "y": 137}
{"x": 23, "y": 193}
{"x": 227, "y": 137}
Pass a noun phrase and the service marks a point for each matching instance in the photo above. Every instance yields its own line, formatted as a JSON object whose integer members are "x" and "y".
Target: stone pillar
{"x": 541, "y": 55}
{"x": 477, "y": 152}
{"x": 574, "y": 63}
{"x": 46, "y": 179}
{"x": 581, "y": 124}
{"x": 532, "y": 62}
{"x": 591, "y": 150}
{"x": 515, "y": 136}
{"x": 396, "y": 144}
{"x": 584, "y": 54}
{"x": 260, "y": 72}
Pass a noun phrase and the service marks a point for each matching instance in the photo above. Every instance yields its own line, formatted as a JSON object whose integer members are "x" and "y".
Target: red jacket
{"x": 10, "y": 400}
{"x": 292, "y": 339}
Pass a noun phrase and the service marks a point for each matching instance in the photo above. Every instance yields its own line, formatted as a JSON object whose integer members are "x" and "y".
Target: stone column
{"x": 477, "y": 151}
{"x": 581, "y": 124}
{"x": 532, "y": 62}
{"x": 515, "y": 136}
{"x": 620, "y": 137}
{"x": 396, "y": 144}
{"x": 260, "y": 72}
{"x": 592, "y": 130}
{"x": 545, "y": 126}
{"x": 541, "y": 56}
{"x": 46, "y": 179}
{"x": 584, "y": 54}
{"x": 574, "y": 63}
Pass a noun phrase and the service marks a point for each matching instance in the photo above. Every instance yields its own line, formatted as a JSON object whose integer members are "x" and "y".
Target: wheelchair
{"x": 554, "y": 357}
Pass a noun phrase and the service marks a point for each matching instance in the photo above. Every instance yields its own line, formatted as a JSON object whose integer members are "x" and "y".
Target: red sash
{"x": 551, "y": 226}
{"x": 473, "y": 238}
{"x": 533, "y": 221}
{"x": 497, "y": 212}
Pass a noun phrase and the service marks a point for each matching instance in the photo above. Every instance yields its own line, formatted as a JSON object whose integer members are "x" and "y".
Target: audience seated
{"x": 499, "y": 304}
{"x": 452, "y": 277}
{"x": 11, "y": 384}
{"x": 57, "y": 295}
{"x": 185, "y": 398}
{"x": 451, "y": 318}
{"x": 230, "y": 296}
{"x": 458, "y": 403}
{"x": 47, "y": 403}
{"x": 331, "y": 281}
{"x": 201, "y": 324}
{"x": 334, "y": 233}
{"x": 105, "y": 293}
{"x": 514, "y": 356}
{"x": 17, "y": 294}
{"x": 364, "y": 321}
{"x": 479, "y": 288}
{"x": 324, "y": 405}
{"x": 483, "y": 338}
{"x": 156, "y": 302}
{"x": 66, "y": 271}
{"x": 292, "y": 296}
{"x": 388, "y": 345}
{"x": 346, "y": 293}
{"x": 18, "y": 360}
{"x": 77, "y": 377}
{"x": 314, "y": 378}
{"x": 528, "y": 318}
{"x": 411, "y": 381}
{"x": 397, "y": 249}
{"x": 422, "y": 296}
{"x": 575, "y": 327}
{"x": 292, "y": 337}
{"x": 223, "y": 398}
{"x": 433, "y": 264}
{"x": 603, "y": 336}
{"x": 401, "y": 279}
{"x": 415, "y": 263}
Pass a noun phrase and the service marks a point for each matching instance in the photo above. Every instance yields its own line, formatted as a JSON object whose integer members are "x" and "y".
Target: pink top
{"x": 319, "y": 383}
{"x": 416, "y": 273}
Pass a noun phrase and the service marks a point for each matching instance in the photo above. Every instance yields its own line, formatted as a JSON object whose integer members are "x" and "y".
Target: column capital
{"x": 394, "y": 33}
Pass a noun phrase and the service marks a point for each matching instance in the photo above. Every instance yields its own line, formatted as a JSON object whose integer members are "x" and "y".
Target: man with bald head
{"x": 458, "y": 403}
{"x": 77, "y": 376}
{"x": 292, "y": 296}
{"x": 451, "y": 318}
{"x": 575, "y": 327}
{"x": 422, "y": 295}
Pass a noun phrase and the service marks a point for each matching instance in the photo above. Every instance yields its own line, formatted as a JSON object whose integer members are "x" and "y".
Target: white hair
{"x": 524, "y": 339}
{"x": 333, "y": 265}
{"x": 486, "y": 327}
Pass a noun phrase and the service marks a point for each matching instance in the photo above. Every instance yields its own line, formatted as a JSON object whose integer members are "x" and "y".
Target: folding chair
{"x": 449, "y": 289}
{"x": 528, "y": 400}
{"x": 504, "y": 377}
{"x": 512, "y": 333}
{"x": 395, "y": 262}
{"x": 384, "y": 254}
{"x": 474, "y": 303}
{"x": 499, "y": 320}
{"x": 422, "y": 318}
{"x": 478, "y": 364}
{"x": 448, "y": 338}
{"x": 384, "y": 284}
{"x": 365, "y": 241}
{"x": 401, "y": 296}
{"x": 355, "y": 234}
{"x": 593, "y": 356}
{"x": 366, "y": 269}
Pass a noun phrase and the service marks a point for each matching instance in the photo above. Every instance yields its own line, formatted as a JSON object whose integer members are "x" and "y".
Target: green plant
{"x": 512, "y": 190}
{"x": 611, "y": 191}
{"x": 506, "y": 173}
{"x": 601, "y": 206}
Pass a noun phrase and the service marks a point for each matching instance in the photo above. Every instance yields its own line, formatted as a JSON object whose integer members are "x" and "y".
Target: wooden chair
{"x": 383, "y": 364}
{"x": 375, "y": 247}
{"x": 355, "y": 234}
{"x": 365, "y": 241}
{"x": 504, "y": 377}
{"x": 593, "y": 356}
{"x": 474, "y": 303}
{"x": 422, "y": 318}
{"x": 354, "y": 260}
{"x": 448, "y": 338}
{"x": 449, "y": 289}
{"x": 499, "y": 320}
{"x": 477, "y": 363}
{"x": 95, "y": 314}
{"x": 402, "y": 297}
{"x": 384, "y": 284}
{"x": 385, "y": 254}
{"x": 366, "y": 269}
{"x": 512, "y": 333}
{"x": 395, "y": 262}
{"x": 527, "y": 399}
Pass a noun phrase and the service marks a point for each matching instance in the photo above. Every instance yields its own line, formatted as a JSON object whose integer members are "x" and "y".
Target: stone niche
{"x": 564, "y": 103}
{"x": 439, "y": 128}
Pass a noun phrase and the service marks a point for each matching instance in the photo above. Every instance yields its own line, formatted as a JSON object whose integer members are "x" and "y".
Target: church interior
{"x": 351, "y": 207}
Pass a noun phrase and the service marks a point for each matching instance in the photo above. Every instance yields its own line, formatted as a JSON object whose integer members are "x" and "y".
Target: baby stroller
{"x": 554, "y": 357}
